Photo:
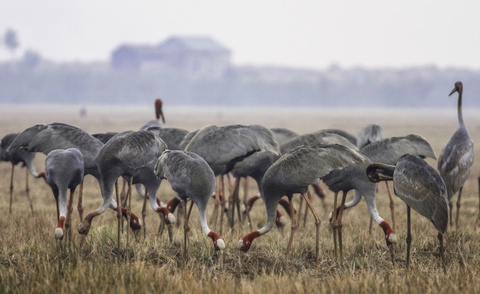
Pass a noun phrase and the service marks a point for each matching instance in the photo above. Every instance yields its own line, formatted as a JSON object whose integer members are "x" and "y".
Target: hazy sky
{"x": 300, "y": 33}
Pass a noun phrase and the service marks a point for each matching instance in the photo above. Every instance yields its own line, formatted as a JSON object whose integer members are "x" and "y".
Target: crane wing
{"x": 390, "y": 150}
{"x": 316, "y": 138}
{"x": 305, "y": 165}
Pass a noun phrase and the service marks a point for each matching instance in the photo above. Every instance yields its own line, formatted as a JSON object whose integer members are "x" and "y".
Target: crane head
{"x": 245, "y": 243}
{"x": 457, "y": 88}
{"x": 218, "y": 242}
{"x": 378, "y": 172}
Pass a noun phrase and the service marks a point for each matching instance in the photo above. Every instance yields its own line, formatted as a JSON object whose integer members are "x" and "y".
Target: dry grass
{"x": 30, "y": 260}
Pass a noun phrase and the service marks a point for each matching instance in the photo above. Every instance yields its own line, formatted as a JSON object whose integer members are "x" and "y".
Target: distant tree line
{"x": 31, "y": 80}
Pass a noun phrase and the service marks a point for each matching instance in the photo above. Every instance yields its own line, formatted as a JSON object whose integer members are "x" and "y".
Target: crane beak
{"x": 453, "y": 91}
{"x": 162, "y": 116}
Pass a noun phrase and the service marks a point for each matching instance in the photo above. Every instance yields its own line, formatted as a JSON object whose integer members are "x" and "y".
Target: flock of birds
{"x": 280, "y": 161}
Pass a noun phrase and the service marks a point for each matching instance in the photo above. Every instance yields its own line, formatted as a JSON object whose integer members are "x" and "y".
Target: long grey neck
{"x": 459, "y": 110}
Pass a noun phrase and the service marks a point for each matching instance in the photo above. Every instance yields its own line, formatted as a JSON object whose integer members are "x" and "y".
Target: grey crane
{"x": 421, "y": 187}
{"x": 47, "y": 137}
{"x": 158, "y": 115}
{"x": 192, "y": 178}
{"x": 63, "y": 172}
{"x": 132, "y": 155}
{"x": 294, "y": 172}
{"x": 16, "y": 156}
{"x": 234, "y": 148}
{"x": 314, "y": 138}
{"x": 456, "y": 158}
{"x": 171, "y": 136}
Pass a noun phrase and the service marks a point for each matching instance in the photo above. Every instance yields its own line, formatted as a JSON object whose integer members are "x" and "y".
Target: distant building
{"x": 188, "y": 56}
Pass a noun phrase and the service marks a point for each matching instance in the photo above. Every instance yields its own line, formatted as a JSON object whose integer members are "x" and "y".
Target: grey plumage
{"x": 244, "y": 150}
{"x": 456, "y": 158}
{"x": 368, "y": 134}
{"x": 318, "y": 137}
{"x": 295, "y": 171}
{"x": 63, "y": 171}
{"x": 420, "y": 187}
{"x": 223, "y": 147}
{"x": 16, "y": 155}
{"x": 104, "y": 137}
{"x": 192, "y": 178}
{"x": 282, "y": 135}
{"x": 131, "y": 154}
{"x": 47, "y": 137}
{"x": 389, "y": 150}
{"x": 171, "y": 136}
{"x": 193, "y": 136}
{"x": 344, "y": 134}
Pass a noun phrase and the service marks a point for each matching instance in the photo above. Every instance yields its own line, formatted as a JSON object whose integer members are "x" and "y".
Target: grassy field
{"x": 31, "y": 262}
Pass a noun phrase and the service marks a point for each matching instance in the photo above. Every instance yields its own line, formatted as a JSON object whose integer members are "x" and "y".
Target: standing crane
{"x": 304, "y": 165}
{"x": 131, "y": 154}
{"x": 456, "y": 158}
{"x": 47, "y": 137}
{"x": 192, "y": 178}
{"x": 16, "y": 156}
{"x": 224, "y": 147}
{"x": 63, "y": 172}
{"x": 421, "y": 188}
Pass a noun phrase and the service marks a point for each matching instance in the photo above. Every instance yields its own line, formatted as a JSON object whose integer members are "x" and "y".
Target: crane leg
{"x": 27, "y": 190}
{"x": 68, "y": 221}
{"x": 321, "y": 194}
{"x": 458, "y": 206}
{"x": 293, "y": 225}
{"x": 119, "y": 215}
{"x": 245, "y": 194}
{"x": 129, "y": 208}
{"x": 214, "y": 216}
{"x": 339, "y": 225}
{"x": 236, "y": 203}
{"x": 11, "y": 189}
{"x": 305, "y": 214}
{"x": 332, "y": 224}
{"x": 234, "y": 197}
{"x": 392, "y": 205}
{"x": 450, "y": 206}
{"x": 144, "y": 214}
{"x": 248, "y": 206}
{"x": 300, "y": 206}
{"x": 223, "y": 207}
{"x": 79, "y": 204}
{"x": 186, "y": 227}
{"x": 442, "y": 251}
{"x": 409, "y": 236}
{"x": 317, "y": 227}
